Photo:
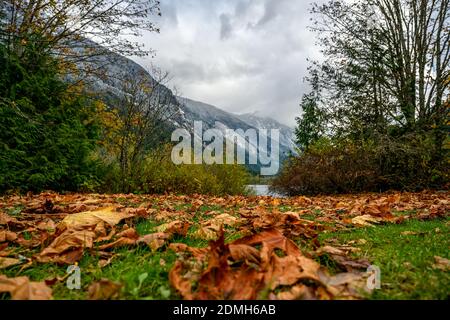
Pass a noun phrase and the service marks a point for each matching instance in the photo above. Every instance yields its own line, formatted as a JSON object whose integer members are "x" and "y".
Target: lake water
{"x": 263, "y": 190}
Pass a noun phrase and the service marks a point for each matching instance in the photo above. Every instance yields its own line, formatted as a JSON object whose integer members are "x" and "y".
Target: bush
{"x": 329, "y": 167}
{"x": 158, "y": 175}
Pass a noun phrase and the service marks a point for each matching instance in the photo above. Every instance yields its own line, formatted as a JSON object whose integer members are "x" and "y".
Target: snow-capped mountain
{"x": 213, "y": 117}
{"x": 112, "y": 68}
{"x": 259, "y": 121}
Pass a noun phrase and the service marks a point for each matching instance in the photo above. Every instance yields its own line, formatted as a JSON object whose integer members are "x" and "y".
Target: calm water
{"x": 263, "y": 190}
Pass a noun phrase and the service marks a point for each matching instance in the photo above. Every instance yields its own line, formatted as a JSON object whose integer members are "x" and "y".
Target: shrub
{"x": 159, "y": 175}
{"x": 328, "y": 167}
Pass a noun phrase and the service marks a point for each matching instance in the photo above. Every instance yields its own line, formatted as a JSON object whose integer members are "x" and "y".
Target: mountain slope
{"x": 113, "y": 68}
{"x": 214, "y": 117}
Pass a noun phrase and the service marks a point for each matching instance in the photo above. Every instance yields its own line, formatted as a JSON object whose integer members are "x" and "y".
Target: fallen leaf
{"x": 21, "y": 288}
{"x": 408, "y": 233}
{"x": 104, "y": 290}
{"x": 8, "y": 262}
{"x": 68, "y": 247}
{"x": 365, "y": 220}
{"x": 243, "y": 252}
{"x": 207, "y": 232}
{"x": 175, "y": 227}
{"x": 340, "y": 256}
{"x": 154, "y": 240}
{"x": 6, "y": 235}
{"x": 91, "y": 218}
{"x": 297, "y": 292}
{"x": 441, "y": 263}
{"x": 224, "y": 219}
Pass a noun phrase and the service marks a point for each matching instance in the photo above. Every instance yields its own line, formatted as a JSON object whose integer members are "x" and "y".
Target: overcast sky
{"x": 239, "y": 55}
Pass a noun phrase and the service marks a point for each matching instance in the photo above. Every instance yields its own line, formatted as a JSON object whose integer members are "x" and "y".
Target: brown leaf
{"x": 224, "y": 219}
{"x": 5, "y": 218}
{"x": 68, "y": 247}
{"x": 6, "y": 235}
{"x": 340, "y": 256}
{"x": 104, "y": 290}
{"x": 348, "y": 285}
{"x": 154, "y": 240}
{"x": 441, "y": 263}
{"x": 365, "y": 220}
{"x": 91, "y": 218}
{"x": 243, "y": 252}
{"x": 207, "y": 231}
{"x": 175, "y": 227}
{"x": 272, "y": 239}
{"x": 297, "y": 292}
{"x": 179, "y": 281}
{"x": 121, "y": 242}
{"x": 181, "y": 248}
{"x": 47, "y": 225}
{"x": 289, "y": 270}
{"x": 8, "y": 262}
{"x": 21, "y": 288}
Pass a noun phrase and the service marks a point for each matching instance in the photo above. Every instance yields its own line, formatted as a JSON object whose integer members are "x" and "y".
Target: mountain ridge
{"x": 115, "y": 67}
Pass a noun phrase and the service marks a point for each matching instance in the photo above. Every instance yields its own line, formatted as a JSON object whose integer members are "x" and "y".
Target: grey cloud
{"x": 270, "y": 12}
{"x": 169, "y": 11}
{"x": 256, "y": 69}
{"x": 225, "y": 26}
{"x": 242, "y": 7}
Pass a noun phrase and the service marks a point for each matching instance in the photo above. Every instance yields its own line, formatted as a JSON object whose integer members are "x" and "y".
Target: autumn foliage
{"x": 273, "y": 254}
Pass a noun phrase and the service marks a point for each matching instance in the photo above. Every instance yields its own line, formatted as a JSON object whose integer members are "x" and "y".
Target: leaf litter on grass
{"x": 272, "y": 254}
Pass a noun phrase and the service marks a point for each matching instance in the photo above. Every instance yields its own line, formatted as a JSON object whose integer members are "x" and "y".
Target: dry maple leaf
{"x": 8, "y": 262}
{"x": 207, "y": 231}
{"x": 92, "y": 218}
{"x": 127, "y": 237}
{"x": 68, "y": 247}
{"x": 182, "y": 248}
{"x": 243, "y": 252}
{"x": 340, "y": 256}
{"x": 154, "y": 240}
{"x": 180, "y": 282}
{"x": 225, "y": 219}
{"x": 6, "y": 235}
{"x": 441, "y": 263}
{"x": 104, "y": 290}
{"x": 21, "y": 288}
{"x": 175, "y": 227}
{"x": 297, "y": 292}
{"x": 365, "y": 220}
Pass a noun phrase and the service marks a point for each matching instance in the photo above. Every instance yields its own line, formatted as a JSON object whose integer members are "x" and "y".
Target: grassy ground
{"x": 405, "y": 254}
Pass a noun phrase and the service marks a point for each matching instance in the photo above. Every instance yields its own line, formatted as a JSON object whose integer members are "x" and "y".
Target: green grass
{"x": 127, "y": 267}
{"x": 406, "y": 261}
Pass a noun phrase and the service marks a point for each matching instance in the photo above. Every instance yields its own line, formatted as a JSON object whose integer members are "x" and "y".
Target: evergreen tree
{"x": 46, "y": 131}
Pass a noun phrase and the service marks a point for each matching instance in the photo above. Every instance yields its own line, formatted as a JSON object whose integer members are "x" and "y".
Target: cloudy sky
{"x": 239, "y": 55}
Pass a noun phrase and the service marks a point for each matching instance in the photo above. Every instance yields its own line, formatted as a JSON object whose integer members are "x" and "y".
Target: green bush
{"x": 328, "y": 167}
{"x": 158, "y": 175}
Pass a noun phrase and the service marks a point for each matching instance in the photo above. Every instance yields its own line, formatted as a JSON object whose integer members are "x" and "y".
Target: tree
{"x": 65, "y": 24}
{"x": 46, "y": 133}
{"x": 385, "y": 65}
{"x": 136, "y": 122}
{"x": 311, "y": 125}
